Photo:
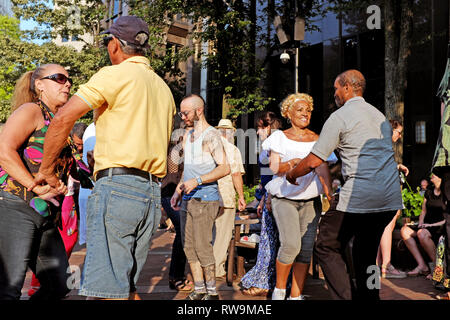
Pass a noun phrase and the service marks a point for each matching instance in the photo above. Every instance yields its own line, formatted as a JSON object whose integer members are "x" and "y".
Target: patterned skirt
{"x": 263, "y": 274}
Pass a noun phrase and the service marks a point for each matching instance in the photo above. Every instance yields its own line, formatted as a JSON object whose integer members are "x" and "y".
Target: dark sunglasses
{"x": 106, "y": 40}
{"x": 58, "y": 77}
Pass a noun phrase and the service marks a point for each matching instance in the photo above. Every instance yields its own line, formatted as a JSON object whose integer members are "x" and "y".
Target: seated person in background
{"x": 431, "y": 221}
{"x": 336, "y": 186}
{"x": 423, "y": 186}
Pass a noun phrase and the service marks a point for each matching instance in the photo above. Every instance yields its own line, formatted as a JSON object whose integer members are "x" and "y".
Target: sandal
{"x": 390, "y": 272}
{"x": 183, "y": 285}
{"x": 418, "y": 272}
{"x": 255, "y": 291}
{"x": 445, "y": 296}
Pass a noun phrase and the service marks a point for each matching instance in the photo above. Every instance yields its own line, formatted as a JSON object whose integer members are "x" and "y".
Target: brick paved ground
{"x": 153, "y": 284}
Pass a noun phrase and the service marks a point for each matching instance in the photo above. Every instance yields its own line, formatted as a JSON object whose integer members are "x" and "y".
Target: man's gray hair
{"x": 354, "y": 79}
{"x": 78, "y": 129}
{"x": 131, "y": 49}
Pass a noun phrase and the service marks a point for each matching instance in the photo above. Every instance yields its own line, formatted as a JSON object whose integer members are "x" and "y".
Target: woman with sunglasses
{"x": 28, "y": 218}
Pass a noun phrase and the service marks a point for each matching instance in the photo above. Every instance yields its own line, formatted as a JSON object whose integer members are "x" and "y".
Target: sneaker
{"x": 254, "y": 238}
{"x": 278, "y": 294}
{"x": 197, "y": 296}
{"x": 211, "y": 297}
{"x": 300, "y": 297}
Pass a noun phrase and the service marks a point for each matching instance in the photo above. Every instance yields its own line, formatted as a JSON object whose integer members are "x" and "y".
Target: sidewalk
{"x": 153, "y": 283}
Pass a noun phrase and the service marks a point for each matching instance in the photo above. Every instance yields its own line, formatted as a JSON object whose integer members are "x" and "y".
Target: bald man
{"x": 197, "y": 195}
{"x": 370, "y": 196}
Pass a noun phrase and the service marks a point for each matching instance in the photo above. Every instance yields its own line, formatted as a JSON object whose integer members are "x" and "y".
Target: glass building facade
{"x": 345, "y": 42}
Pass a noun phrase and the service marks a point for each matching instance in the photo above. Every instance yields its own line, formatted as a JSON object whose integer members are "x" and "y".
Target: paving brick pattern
{"x": 153, "y": 283}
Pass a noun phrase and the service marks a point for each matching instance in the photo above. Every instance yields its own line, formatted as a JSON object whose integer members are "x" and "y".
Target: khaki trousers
{"x": 196, "y": 224}
{"x": 223, "y": 233}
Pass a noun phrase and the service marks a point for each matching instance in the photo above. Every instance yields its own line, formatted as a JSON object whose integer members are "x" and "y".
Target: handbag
{"x": 85, "y": 178}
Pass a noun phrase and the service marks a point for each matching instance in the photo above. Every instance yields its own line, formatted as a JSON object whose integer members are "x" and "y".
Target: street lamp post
{"x": 299, "y": 35}
{"x": 297, "y": 63}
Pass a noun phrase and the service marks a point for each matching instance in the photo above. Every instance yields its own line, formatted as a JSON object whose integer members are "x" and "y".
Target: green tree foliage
{"x": 18, "y": 56}
{"x": 229, "y": 29}
{"x": 68, "y": 18}
{"x": 9, "y": 34}
{"x": 165, "y": 60}
{"x": 62, "y": 17}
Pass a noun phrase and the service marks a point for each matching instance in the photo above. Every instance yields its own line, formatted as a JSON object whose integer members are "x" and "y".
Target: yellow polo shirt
{"x": 134, "y": 129}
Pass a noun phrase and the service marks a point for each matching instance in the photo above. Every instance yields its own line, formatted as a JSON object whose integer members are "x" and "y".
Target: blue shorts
{"x": 123, "y": 212}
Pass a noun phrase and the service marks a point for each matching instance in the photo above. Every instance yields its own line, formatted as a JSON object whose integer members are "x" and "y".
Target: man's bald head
{"x": 354, "y": 79}
{"x": 192, "y": 109}
{"x": 193, "y": 101}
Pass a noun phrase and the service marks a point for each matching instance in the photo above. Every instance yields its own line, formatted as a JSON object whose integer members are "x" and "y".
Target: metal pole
{"x": 297, "y": 60}
{"x": 297, "y": 51}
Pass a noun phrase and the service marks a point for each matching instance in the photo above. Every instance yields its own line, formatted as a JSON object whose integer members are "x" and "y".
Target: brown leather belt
{"x": 129, "y": 171}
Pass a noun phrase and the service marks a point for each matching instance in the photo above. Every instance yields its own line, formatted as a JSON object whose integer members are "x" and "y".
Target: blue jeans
{"x": 123, "y": 212}
{"x": 178, "y": 260}
{"x": 29, "y": 240}
{"x": 82, "y": 204}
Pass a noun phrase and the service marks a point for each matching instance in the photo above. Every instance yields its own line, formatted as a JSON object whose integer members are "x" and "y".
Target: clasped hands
{"x": 291, "y": 177}
{"x": 187, "y": 187}
{"x": 49, "y": 191}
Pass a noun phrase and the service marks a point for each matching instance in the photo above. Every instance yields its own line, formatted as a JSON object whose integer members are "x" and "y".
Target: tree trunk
{"x": 398, "y": 31}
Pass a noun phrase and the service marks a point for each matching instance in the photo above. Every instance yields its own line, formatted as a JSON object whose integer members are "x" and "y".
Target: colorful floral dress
{"x": 440, "y": 276}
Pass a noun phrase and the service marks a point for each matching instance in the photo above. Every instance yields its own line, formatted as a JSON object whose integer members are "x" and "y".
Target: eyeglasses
{"x": 106, "y": 41}
{"x": 58, "y": 77}
{"x": 184, "y": 113}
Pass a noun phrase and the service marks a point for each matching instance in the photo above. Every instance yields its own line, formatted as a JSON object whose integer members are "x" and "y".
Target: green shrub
{"x": 412, "y": 201}
{"x": 249, "y": 193}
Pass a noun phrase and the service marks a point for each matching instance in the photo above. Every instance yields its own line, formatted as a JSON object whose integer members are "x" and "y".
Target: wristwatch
{"x": 199, "y": 181}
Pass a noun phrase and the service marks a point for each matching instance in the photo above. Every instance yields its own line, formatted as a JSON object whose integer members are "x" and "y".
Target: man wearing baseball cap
{"x": 136, "y": 110}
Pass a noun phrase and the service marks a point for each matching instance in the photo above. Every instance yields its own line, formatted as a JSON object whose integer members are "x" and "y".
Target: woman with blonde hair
{"x": 296, "y": 208}
{"x": 29, "y": 215}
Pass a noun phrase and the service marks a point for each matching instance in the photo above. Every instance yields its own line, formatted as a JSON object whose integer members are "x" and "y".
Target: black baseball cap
{"x": 131, "y": 29}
